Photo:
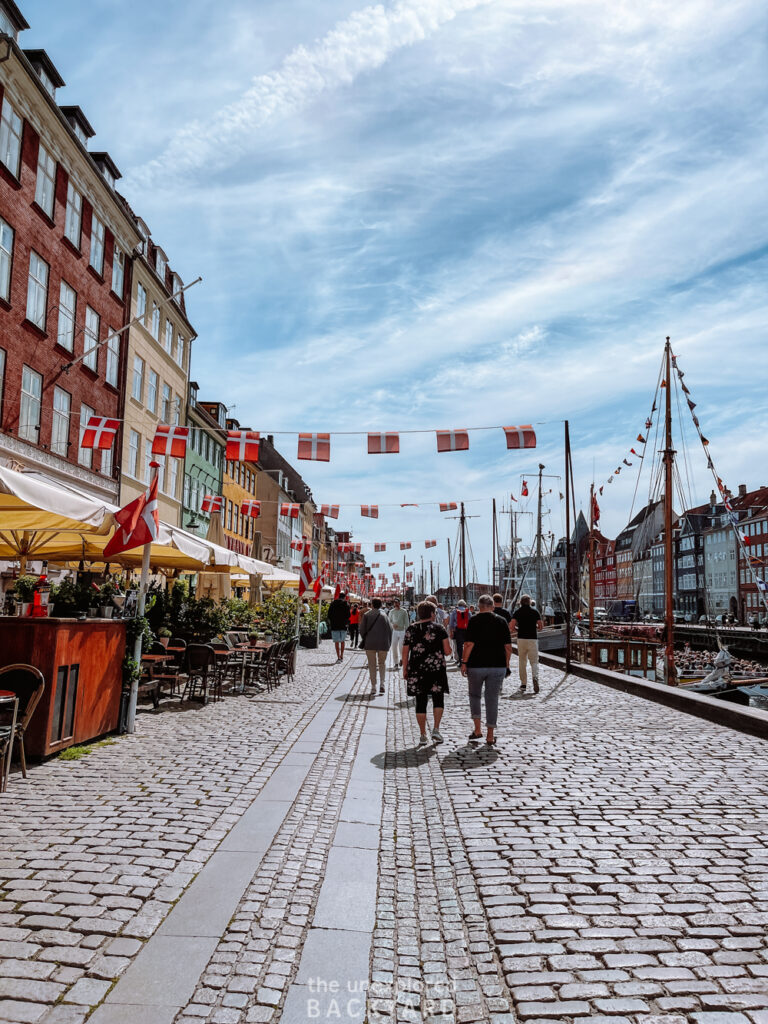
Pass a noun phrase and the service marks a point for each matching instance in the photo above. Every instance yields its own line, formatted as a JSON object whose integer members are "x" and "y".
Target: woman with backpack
{"x": 457, "y": 627}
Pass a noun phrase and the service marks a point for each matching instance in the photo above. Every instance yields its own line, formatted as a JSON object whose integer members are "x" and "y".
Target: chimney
{"x": 271, "y": 439}
{"x": 713, "y": 500}
{"x": 742, "y": 490}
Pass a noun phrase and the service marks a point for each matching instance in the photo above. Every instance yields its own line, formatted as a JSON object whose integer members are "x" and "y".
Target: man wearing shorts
{"x": 338, "y": 620}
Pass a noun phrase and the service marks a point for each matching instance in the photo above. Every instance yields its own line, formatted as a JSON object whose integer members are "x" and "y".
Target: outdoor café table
{"x": 8, "y": 697}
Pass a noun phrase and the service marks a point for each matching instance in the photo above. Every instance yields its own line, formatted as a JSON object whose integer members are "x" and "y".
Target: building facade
{"x": 204, "y": 462}
{"x": 753, "y": 571}
{"x": 65, "y": 271}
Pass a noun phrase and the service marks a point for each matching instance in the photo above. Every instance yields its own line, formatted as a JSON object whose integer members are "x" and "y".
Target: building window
{"x": 74, "y": 218}
{"x": 67, "y": 308}
{"x": 92, "y": 331}
{"x": 180, "y": 350}
{"x": 113, "y": 358}
{"x": 236, "y": 527}
{"x": 155, "y": 321}
{"x": 177, "y": 411}
{"x": 29, "y": 411}
{"x": 148, "y": 457}
{"x": 161, "y": 263}
{"x": 37, "y": 291}
{"x": 84, "y": 455}
{"x": 141, "y": 301}
{"x": 45, "y": 187}
{"x": 152, "y": 385}
{"x": 165, "y": 412}
{"x": 10, "y": 137}
{"x": 97, "y": 245}
{"x": 6, "y": 257}
{"x": 173, "y": 473}
{"x": 169, "y": 337}
{"x": 118, "y": 272}
{"x": 229, "y": 515}
{"x": 186, "y": 491}
{"x": 106, "y": 462}
{"x": 134, "y": 448}
{"x": 137, "y": 391}
{"x": 60, "y": 425}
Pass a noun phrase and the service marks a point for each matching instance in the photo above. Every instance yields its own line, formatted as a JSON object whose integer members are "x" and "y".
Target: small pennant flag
{"x": 648, "y": 424}
{"x": 524, "y": 491}
{"x": 452, "y": 440}
{"x": 685, "y": 389}
{"x": 601, "y": 490}
{"x": 633, "y": 452}
{"x": 99, "y": 432}
{"x": 641, "y": 439}
{"x": 390, "y": 564}
{"x": 617, "y": 470}
{"x": 251, "y": 508}
{"x": 297, "y": 545}
{"x": 408, "y": 504}
{"x": 513, "y": 498}
{"x": 691, "y": 405}
{"x": 610, "y": 479}
{"x": 289, "y": 509}
{"x": 212, "y": 503}
{"x": 520, "y": 437}
{"x": 331, "y": 511}
{"x": 242, "y": 446}
{"x": 448, "y": 506}
{"x": 383, "y": 444}
{"x": 430, "y": 543}
{"x": 316, "y": 447}
{"x": 371, "y": 511}
{"x": 626, "y": 463}
{"x": 170, "y": 441}
{"x": 405, "y": 545}
{"x": 663, "y": 384}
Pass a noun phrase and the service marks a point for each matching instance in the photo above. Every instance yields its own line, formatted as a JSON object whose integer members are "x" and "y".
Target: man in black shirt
{"x": 499, "y": 609}
{"x": 526, "y": 622}
{"x": 485, "y": 659}
{"x": 338, "y": 620}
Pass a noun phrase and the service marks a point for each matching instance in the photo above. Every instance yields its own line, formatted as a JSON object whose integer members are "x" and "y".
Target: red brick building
{"x": 752, "y": 508}
{"x": 605, "y": 570}
{"x": 66, "y": 241}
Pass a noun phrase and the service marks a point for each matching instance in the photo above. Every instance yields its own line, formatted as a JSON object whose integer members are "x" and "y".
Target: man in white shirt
{"x": 399, "y": 620}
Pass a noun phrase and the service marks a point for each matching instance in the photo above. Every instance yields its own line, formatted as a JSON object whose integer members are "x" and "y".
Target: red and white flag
{"x": 448, "y": 506}
{"x": 383, "y": 444}
{"x": 405, "y": 545}
{"x": 297, "y": 545}
{"x": 409, "y": 576}
{"x": 212, "y": 503}
{"x": 375, "y": 565}
{"x": 242, "y": 446}
{"x": 251, "y": 508}
{"x": 305, "y": 573}
{"x": 520, "y": 437}
{"x": 430, "y": 543}
{"x": 524, "y": 491}
{"x": 407, "y": 564}
{"x": 408, "y": 504}
{"x": 379, "y": 546}
{"x": 290, "y": 510}
{"x": 137, "y": 524}
{"x": 371, "y": 511}
{"x": 452, "y": 440}
{"x": 170, "y": 441}
{"x": 316, "y": 447}
{"x": 99, "y": 432}
{"x": 390, "y": 564}
{"x": 331, "y": 511}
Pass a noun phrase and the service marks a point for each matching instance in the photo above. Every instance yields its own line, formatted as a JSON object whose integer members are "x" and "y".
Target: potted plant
{"x": 24, "y": 588}
{"x": 164, "y": 635}
{"x": 106, "y": 592}
{"x": 66, "y": 599}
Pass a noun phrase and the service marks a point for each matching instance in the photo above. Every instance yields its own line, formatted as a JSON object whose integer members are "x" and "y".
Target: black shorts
{"x": 422, "y": 699}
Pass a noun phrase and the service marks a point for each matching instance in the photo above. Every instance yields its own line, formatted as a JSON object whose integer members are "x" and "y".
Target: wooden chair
{"x": 28, "y": 683}
{"x": 288, "y": 658}
{"x": 199, "y": 667}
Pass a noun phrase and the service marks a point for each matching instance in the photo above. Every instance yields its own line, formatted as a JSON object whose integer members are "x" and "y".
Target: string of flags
{"x": 215, "y": 502}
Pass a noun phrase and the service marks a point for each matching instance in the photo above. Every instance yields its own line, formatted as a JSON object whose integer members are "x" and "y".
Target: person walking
{"x": 338, "y": 620}
{"x": 376, "y": 637}
{"x": 457, "y": 625}
{"x": 399, "y": 621}
{"x": 354, "y": 624}
{"x": 425, "y": 649}
{"x": 526, "y": 622}
{"x": 499, "y": 609}
{"x": 487, "y": 650}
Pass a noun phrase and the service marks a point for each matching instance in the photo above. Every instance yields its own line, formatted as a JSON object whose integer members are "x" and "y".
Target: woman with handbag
{"x": 376, "y": 637}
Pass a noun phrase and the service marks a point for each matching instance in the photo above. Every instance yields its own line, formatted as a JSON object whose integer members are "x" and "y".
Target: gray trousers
{"x": 492, "y": 678}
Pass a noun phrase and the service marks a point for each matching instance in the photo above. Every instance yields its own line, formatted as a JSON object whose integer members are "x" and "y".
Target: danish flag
{"x": 372, "y": 511}
{"x": 251, "y": 508}
{"x": 524, "y": 491}
{"x": 242, "y": 446}
{"x": 305, "y": 573}
{"x": 409, "y": 576}
{"x": 375, "y": 565}
{"x": 297, "y": 545}
{"x": 405, "y": 545}
{"x": 287, "y": 509}
{"x": 99, "y": 432}
{"x": 430, "y": 543}
{"x": 379, "y": 547}
{"x": 332, "y": 511}
{"x": 390, "y": 564}
{"x": 383, "y": 444}
{"x": 212, "y": 503}
{"x": 137, "y": 524}
{"x": 520, "y": 437}
{"x": 448, "y": 506}
{"x": 408, "y": 563}
{"x": 170, "y": 441}
{"x": 452, "y": 440}
{"x": 315, "y": 446}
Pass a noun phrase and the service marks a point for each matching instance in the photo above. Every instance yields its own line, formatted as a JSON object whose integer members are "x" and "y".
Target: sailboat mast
{"x": 495, "y": 545}
{"x": 591, "y": 560}
{"x": 463, "y": 564}
{"x": 670, "y": 674}
{"x": 538, "y": 545}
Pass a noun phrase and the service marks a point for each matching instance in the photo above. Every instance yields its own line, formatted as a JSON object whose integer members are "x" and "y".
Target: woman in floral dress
{"x": 425, "y": 647}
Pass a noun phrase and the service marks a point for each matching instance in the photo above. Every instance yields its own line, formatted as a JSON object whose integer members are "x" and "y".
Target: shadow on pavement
{"x": 517, "y": 695}
{"x": 357, "y": 698}
{"x": 409, "y": 703}
{"x": 468, "y": 757}
{"x": 413, "y": 757}
{"x": 563, "y": 681}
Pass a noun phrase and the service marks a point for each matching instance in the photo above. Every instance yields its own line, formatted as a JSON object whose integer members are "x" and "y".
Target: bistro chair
{"x": 288, "y": 658}
{"x": 28, "y": 683}
{"x": 199, "y": 666}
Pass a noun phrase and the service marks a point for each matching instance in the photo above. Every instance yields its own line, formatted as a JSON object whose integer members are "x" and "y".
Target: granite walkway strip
{"x": 163, "y": 977}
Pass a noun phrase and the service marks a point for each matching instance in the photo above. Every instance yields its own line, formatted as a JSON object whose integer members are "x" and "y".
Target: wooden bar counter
{"x": 81, "y": 660}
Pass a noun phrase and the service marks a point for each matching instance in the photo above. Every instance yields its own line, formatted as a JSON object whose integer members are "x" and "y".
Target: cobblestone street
{"x": 293, "y": 856}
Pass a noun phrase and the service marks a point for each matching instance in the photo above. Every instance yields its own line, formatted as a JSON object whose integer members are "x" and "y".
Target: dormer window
{"x": 46, "y": 71}
{"x": 161, "y": 264}
{"x": 193, "y": 391}
{"x": 11, "y": 19}
{"x": 107, "y": 167}
{"x": 79, "y": 124}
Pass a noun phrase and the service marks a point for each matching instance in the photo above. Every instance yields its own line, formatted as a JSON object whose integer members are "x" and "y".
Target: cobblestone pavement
{"x": 608, "y": 862}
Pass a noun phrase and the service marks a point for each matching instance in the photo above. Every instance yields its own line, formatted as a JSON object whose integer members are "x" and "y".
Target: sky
{"x": 437, "y": 214}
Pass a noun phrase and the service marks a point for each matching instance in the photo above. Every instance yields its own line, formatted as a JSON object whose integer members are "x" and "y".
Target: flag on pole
{"x": 242, "y": 446}
{"x": 316, "y": 447}
{"x": 251, "y": 508}
{"x": 520, "y": 437}
{"x": 595, "y": 510}
{"x": 305, "y": 573}
{"x": 524, "y": 491}
{"x": 371, "y": 511}
{"x": 170, "y": 441}
{"x": 137, "y": 524}
{"x": 383, "y": 444}
{"x": 99, "y": 432}
{"x": 289, "y": 509}
{"x": 452, "y": 440}
{"x": 212, "y": 503}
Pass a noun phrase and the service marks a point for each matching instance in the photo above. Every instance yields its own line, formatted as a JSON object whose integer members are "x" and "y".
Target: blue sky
{"x": 447, "y": 213}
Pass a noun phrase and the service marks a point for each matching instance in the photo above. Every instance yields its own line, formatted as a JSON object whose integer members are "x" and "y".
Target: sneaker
{"x": 535, "y": 685}
{"x": 490, "y": 743}
{"x": 522, "y": 688}
{"x": 436, "y": 736}
{"x": 381, "y": 688}
{"x": 474, "y": 736}
{"x": 423, "y": 740}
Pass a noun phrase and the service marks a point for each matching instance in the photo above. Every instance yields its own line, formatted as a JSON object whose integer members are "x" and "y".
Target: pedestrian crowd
{"x": 424, "y": 640}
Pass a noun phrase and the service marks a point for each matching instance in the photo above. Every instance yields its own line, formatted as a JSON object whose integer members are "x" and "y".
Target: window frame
{"x": 6, "y": 261}
{"x": 73, "y": 209}
{"x": 39, "y": 288}
{"x": 9, "y": 130}
{"x": 84, "y": 455}
{"x": 134, "y": 454}
{"x": 140, "y": 397}
{"x": 66, "y": 314}
{"x": 46, "y": 175}
{"x": 153, "y": 390}
{"x": 98, "y": 238}
{"x": 90, "y": 340}
{"x": 60, "y": 423}
{"x": 113, "y": 358}
{"x": 118, "y": 271}
{"x": 28, "y": 430}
